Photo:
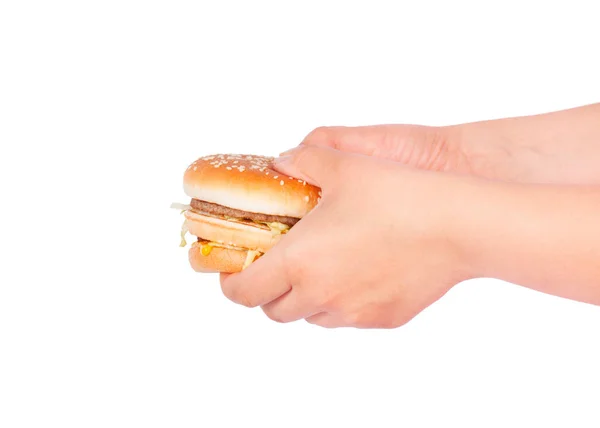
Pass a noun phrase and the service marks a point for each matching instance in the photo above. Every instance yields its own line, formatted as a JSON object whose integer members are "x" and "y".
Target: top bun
{"x": 248, "y": 183}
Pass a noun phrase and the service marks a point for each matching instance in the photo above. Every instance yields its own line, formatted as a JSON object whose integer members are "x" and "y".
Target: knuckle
{"x": 321, "y": 133}
{"x": 385, "y": 322}
{"x": 324, "y": 320}
{"x": 376, "y": 317}
{"x": 236, "y": 295}
{"x": 350, "y": 318}
{"x": 314, "y": 297}
{"x": 312, "y": 320}
{"x": 303, "y": 156}
{"x": 399, "y": 319}
{"x": 246, "y": 300}
{"x": 329, "y": 305}
{"x": 440, "y": 149}
{"x": 227, "y": 290}
{"x": 294, "y": 263}
{"x": 331, "y": 301}
{"x": 273, "y": 316}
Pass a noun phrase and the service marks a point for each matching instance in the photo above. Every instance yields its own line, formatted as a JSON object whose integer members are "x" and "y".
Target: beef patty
{"x": 220, "y": 210}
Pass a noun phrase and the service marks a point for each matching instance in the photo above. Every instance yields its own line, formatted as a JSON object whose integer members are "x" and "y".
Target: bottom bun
{"x": 219, "y": 260}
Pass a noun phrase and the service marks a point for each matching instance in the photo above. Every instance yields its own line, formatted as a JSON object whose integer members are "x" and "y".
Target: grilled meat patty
{"x": 220, "y": 210}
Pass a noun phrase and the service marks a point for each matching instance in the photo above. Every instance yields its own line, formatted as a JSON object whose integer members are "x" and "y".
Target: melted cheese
{"x": 207, "y": 246}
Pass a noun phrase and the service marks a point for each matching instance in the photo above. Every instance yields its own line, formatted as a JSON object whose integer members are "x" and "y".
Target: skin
{"x": 515, "y": 199}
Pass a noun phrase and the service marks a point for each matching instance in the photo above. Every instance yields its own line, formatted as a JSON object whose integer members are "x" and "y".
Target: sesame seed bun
{"x": 241, "y": 207}
{"x": 219, "y": 260}
{"x": 248, "y": 183}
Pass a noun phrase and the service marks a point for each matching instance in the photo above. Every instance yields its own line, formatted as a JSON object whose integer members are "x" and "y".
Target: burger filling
{"x": 207, "y": 246}
{"x": 276, "y": 224}
{"x": 221, "y": 211}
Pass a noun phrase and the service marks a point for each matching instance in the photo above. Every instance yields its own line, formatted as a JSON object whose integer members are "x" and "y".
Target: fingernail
{"x": 283, "y": 158}
{"x": 288, "y": 152}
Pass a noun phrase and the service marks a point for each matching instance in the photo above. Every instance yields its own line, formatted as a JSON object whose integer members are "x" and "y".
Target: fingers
{"x": 269, "y": 281}
{"x": 324, "y": 319}
{"x": 316, "y": 165}
{"x": 292, "y": 306}
{"x": 269, "y": 288}
{"x": 415, "y": 145}
{"x": 262, "y": 282}
{"x": 363, "y": 140}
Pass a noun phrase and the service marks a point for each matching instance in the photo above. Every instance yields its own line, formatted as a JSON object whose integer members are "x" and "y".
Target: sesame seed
{"x": 267, "y": 172}
{"x": 235, "y": 161}
{"x": 281, "y": 182}
{"x": 276, "y": 177}
{"x": 195, "y": 168}
{"x": 304, "y": 183}
{"x": 228, "y": 168}
{"x": 306, "y": 198}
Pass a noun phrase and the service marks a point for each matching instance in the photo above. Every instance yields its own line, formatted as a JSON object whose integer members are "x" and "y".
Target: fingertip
{"x": 223, "y": 277}
{"x": 290, "y": 152}
{"x": 285, "y": 165}
{"x": 311, "y": 163}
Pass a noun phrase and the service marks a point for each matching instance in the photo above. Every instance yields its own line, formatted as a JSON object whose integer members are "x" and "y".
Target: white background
{"x": 102, "y": 107}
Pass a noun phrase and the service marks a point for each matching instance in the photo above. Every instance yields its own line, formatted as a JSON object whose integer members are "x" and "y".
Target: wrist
{"x": 559, "y": 147}
{"x": 458, "y": 202}
{"x": 544, "y": 237}
{"x": 481, "y": 219}
{"x": 490, "y": 150}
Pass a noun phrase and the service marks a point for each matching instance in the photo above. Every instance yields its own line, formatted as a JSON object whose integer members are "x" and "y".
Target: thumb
{"x": 425, "y": 147}
{"x": 315, "y": 165}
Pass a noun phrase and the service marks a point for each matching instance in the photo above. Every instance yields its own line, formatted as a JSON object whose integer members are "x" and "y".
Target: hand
{"x": 379, "y": 248}
{"x": 561, "y": 147}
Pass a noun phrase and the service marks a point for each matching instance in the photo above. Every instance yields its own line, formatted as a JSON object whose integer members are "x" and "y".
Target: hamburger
{"x": 240, "y": 208}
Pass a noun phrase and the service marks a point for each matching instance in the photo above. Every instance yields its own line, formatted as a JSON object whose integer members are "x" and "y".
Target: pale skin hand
{"x": 387, "y": 241}
{"x": 358, "y": 257}
{"x": 561, "y": 147}
{"x": 545, "y": 237}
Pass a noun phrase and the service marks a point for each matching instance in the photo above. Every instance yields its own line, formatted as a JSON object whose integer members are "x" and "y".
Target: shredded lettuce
{"x": 182, "y": 207}
{"x": 250, "y": 257}
{"x": 275, "y": 227}
{"x": 184, "y": 230}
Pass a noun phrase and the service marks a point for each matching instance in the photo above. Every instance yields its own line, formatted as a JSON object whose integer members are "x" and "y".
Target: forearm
{"x": 543, "y": 237}
{"x": 560, "y": 147}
